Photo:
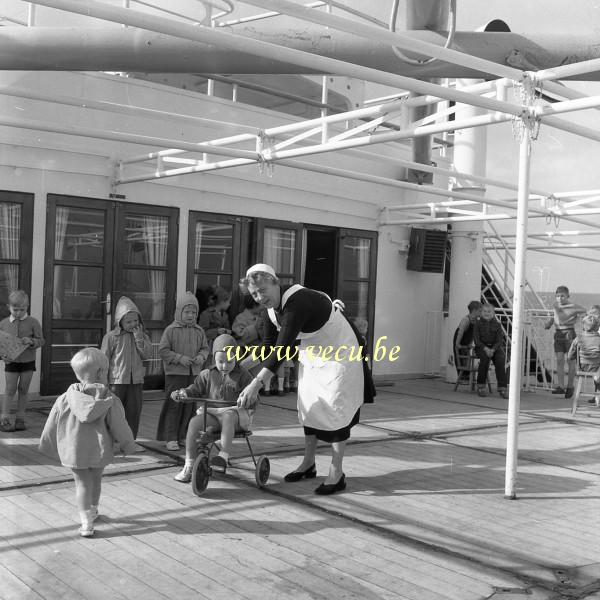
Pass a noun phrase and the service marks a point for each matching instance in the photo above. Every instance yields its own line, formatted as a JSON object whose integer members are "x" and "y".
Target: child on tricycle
{"x": 222, "y": 382}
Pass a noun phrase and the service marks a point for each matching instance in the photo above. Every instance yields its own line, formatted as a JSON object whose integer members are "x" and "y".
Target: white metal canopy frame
{"x": 361, "y": 128}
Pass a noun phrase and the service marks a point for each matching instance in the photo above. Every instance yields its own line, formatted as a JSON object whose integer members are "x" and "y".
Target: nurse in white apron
{"x": 330, "y": 380}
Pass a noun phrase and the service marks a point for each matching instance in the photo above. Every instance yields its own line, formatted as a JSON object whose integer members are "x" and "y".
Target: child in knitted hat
{"x": 223, "y": 381}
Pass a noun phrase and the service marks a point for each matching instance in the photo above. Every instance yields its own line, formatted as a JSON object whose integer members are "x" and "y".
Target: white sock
{"x": 87, "y": 518}
{"x": 189, "y": 462}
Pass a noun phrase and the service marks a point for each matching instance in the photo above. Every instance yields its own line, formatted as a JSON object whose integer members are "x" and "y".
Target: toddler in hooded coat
{"x": 126, "y": 346}
{"x": 183, "y": 348}
{"x": 82, "y": 428}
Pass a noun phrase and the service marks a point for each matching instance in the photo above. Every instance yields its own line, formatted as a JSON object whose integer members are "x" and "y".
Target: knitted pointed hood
{"x": 183, "y": 301}
{"x": 125, "y": 305}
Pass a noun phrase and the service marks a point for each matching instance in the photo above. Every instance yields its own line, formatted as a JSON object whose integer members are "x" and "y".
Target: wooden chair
{"x": 583, "y": 380}
{"x": 466, "y": 368}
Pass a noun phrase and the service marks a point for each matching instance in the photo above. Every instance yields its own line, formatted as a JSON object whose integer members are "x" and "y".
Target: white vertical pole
{"x": 516, "y": 344}
{"x": 31, "y": 14}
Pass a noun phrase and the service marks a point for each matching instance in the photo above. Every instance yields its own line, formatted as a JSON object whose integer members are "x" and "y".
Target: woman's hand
{"x": 249, "y": 394}
{"x": 179, "y": 395}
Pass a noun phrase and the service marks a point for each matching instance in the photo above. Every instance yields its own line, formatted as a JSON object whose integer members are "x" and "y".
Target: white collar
{"x": 13, "y": 319}
{"x": 289, "y": 292}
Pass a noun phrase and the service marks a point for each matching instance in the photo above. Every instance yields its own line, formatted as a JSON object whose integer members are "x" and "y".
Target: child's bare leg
{"x": 195, "y": 427}
{"x": 572, "y": 366}
{"x": 96, "y": 486}
{"x": 560, "y": 369}
{"x": 12, "y": 380}
{"x": 229, "y": 421}
{"x": 23, "y": 389}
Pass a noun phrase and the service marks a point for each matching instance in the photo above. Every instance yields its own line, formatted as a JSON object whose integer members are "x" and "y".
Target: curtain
{"x": 10, "y": 234}
{"x": 155, "y": 243}
{"x": 279, "y": 248}
{"x": 60, "y": 238}
{"x": 155, "y": 234}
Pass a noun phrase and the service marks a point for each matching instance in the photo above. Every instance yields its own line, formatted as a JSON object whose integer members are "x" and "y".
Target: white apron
{"x": 329, "y": 391}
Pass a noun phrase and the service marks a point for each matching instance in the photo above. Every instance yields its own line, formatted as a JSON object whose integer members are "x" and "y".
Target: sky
{"x": 560, "y": 161}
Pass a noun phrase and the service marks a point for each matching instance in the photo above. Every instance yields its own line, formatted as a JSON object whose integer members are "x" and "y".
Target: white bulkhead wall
{"x": 44, "y": 163}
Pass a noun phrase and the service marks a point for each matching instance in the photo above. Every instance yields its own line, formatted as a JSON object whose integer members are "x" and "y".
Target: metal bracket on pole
{"x": 528, "y": 122}
{"x": 264, "y": 149}
{"x": 116, "y": 175}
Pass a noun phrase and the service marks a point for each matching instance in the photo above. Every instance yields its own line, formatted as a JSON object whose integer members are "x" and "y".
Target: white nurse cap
{"x": 261, "y": 268}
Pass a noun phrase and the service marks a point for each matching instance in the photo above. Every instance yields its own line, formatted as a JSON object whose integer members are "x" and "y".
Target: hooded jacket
{"x": 82, "y": 426}
{"x": 126, "y": 350}
{"x": 180, "y": 339}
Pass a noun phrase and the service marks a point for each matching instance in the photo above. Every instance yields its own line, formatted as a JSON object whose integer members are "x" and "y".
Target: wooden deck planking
{"x": 66, "y": 560}
{"x": 249, "y": 551}
{"x": 324, "y": 543}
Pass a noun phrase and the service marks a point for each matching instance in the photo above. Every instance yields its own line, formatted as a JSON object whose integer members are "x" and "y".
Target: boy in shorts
{"x": 564, "y": 319}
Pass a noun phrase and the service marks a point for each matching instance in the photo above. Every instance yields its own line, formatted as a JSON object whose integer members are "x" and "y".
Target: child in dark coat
{"x": 489, "y": 341}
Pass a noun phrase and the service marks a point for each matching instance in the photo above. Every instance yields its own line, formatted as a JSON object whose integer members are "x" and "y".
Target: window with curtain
{"x": 356, "y": 278}
{"x": 144, "y": 275}
{"x": 16, "y": 218}
{"x": 279, "y": 251}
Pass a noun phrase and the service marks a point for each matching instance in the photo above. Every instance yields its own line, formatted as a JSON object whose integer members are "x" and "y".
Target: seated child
{"x": 463, "y": 336}
{"x": 489, "y": 340}
{"x": 82, "y": 427}
{"x": 564, "y": 319}
{"x": 224, "y": 381}
{"x": 587, "y": 346}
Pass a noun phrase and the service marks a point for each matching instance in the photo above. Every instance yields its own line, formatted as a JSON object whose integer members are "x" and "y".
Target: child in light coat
{"x": 183, "y": 348}
{"x": 82, "y": 427}
{"x": 126, "y": 347}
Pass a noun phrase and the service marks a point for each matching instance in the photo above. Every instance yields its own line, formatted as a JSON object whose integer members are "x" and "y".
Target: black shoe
{"x": 568, "y": 392}
{"x": 310, "y": 473}
{"x": 331, "y": 488}
{"x": 558, "y": 390}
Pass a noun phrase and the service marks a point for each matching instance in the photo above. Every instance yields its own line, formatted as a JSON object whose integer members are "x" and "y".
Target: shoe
{"x": 185, "y": 475}
{"x": 266, "y": 392}
{"x": 286, "y": 389}
{"x": 310, "y": 473}
{"x": 20, "y": 425}
{"x": 172, "y": 446}
{"x": 558, "y": 390}
{"x": 481, "y": 391}
{"x": 568, "y": 392}
{"x": 218, "y": 463}
{"x": 6, "y": 425}
{"x": 139, "y": 448}
{"x": 592, "y": 401}
{"x": 87, "y": 530}
{"x": 503, "y": 393}
{"x": 331, "y": 488}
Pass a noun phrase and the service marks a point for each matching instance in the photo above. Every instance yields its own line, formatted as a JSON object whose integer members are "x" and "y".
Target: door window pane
{"x": 79, "y": 234}
{"x": 77, "y": 292}
{"x": 213, "y": 250}
{"x": 10, "y": 231}
{"x": 66, "y": 342}
{"x": 9, "y": 281}
{"x": 357, "y": 253}
{"x": 356, "y": 297}
{"x": 279, "y": 249}
{"x": 146, "y": 239}
{"x": 148, "y": 289}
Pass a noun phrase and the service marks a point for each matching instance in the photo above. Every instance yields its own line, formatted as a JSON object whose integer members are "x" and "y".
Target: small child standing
{"x": 564, "y": 319}
{"x": 82, "y": 427}
{"x": 126, "y": 346}
{"x": 585, "y": 348}
{"x": 183, "y": 348}
{"x": 215, "y": 319}
{"x": 19, "y": 371}
{"x": 489, "y": 339}
{"x": 224, "y": 381}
